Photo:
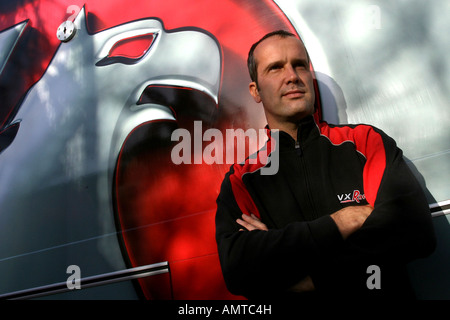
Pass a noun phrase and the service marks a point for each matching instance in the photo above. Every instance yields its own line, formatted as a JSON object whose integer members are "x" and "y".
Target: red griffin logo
{"x": 91, "y": 116}
{"x": 355, "y": 196}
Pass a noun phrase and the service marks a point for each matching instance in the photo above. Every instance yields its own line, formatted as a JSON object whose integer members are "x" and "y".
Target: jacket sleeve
{"x": 262, "y": 263}
{"x": 400, "y": 227}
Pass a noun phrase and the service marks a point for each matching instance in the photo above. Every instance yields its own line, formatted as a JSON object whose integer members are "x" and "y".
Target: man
{"x": 343, "y": 214}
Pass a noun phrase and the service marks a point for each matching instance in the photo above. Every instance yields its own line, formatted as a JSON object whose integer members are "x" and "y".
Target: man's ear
{"x": 253, "y": 88}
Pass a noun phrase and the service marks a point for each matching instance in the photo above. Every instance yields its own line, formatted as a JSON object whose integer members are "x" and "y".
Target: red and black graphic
{"x": 91, "y": 92}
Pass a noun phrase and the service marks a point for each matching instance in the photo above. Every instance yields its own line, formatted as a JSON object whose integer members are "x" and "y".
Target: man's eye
{"x": 302, "y": 65}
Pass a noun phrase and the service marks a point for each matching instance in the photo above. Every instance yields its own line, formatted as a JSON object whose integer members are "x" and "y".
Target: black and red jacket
{"x": 331, "y": 166}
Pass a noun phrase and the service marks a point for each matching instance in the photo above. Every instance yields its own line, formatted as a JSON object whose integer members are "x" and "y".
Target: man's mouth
{"x": 295, "y": 93}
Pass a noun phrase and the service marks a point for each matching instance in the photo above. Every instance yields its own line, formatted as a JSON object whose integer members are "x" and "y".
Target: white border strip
{"x": 440, "y": 208}
{"x": 93, "y": 281}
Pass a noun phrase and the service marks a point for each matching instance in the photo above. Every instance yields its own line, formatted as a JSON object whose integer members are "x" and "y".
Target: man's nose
{"x": 292, "y": 75}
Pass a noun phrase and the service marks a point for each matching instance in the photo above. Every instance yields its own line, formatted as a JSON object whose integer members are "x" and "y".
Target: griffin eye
{"x": 129, "y": 50}
{"x": 132, "y": 48}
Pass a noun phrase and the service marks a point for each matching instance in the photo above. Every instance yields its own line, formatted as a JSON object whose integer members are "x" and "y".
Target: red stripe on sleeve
{"x": 369, "y": 143}
{"x": 240, "y": 191}
{"x": 241, "y": 194}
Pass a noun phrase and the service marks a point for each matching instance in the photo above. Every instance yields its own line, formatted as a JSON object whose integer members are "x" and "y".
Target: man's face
{"x": 285, "y": 83}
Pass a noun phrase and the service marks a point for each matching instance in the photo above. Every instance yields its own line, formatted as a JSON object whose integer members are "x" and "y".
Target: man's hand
{"x": 251, "y": 223}
{"x": 350, "y": 219}
{"x": 306, "y": 284}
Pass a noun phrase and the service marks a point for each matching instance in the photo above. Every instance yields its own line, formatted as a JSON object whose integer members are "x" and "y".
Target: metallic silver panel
{"x": 73, "y": 124}
{"x": 385, "y": 64}
{"x": 8, "y": 40}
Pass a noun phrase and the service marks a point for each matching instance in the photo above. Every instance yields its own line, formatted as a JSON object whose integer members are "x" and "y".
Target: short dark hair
{"x": 251, "y": 62}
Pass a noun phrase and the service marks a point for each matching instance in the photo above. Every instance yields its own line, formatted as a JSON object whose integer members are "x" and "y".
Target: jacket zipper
{"x": 299, "y": 150}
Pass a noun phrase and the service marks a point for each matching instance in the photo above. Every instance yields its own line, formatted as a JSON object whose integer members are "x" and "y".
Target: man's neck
{"x": 289, "y": 127}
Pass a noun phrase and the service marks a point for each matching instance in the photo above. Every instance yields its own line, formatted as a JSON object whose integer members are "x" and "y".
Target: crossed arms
{"x": 348, "y": 220}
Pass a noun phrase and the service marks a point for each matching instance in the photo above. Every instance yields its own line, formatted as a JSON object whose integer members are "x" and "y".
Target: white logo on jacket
{"x": 355, "y": 196}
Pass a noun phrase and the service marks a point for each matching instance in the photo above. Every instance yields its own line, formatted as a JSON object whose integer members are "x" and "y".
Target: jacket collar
{"x": 307, "y": 131}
